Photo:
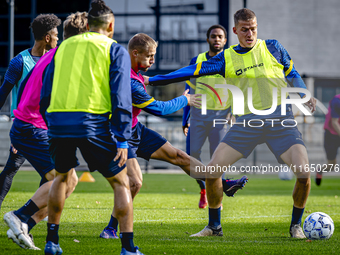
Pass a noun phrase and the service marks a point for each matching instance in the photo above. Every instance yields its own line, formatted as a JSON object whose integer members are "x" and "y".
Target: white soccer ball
{"x": 318, "y": 226}
{"x": 286, "y": 174}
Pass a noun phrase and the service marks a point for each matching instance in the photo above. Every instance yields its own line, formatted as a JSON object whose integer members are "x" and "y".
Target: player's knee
{"x": 135, "y": 187}
{"x": 303, "y": 174}
{"x": 182, "y": 158}
{"x": 72, "y": 183}
{"x": 50, "y": 175}
{"x": 73, "y": 180}
{"x": 137, "y": 184}
{"x": 304, "y": 179}
{"x": 119, "y": 181}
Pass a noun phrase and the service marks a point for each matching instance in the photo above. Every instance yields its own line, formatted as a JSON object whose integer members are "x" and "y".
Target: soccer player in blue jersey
{"x": 44, "y": 28}
{"x": 100, "y": 106}
{"x": 253, "y": 63}
{"x": 144, "y": 142}
{"x": 29, "y": 135}
{"x": 331, "y": 141}
{"x": 218, "y": 108}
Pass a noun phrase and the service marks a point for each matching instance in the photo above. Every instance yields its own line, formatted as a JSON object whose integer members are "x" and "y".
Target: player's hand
{"x": 14, "y": 150}
{"x": 186, "y": 129}
{"x": 230, "y": 118}
{"x": 146, "y": 80}
{"x": 311, "y": 104}
{"x": 122, "y": 154}
{"x": 193, "y": 100}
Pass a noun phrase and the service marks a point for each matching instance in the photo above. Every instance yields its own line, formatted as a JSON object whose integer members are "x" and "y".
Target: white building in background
{"x": 308, "y": 29}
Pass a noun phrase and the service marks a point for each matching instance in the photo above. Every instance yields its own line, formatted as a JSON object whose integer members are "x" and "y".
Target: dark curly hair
{"x": 99, "y": 13}
{"x": 44, "y": 23}
{"x": 216, "y": 26}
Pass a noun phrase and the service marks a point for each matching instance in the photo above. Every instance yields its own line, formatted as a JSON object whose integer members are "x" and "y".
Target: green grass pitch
{"x": 255, "y": 221}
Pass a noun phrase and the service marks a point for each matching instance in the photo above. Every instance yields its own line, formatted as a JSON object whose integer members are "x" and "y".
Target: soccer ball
{"x": 286, "y": 174}
{"x": 318, "y": 226}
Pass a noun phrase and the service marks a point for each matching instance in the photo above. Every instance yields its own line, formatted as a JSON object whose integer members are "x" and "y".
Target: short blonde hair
{"x": 141, "y": 42}
{"x": 75, "y": 24}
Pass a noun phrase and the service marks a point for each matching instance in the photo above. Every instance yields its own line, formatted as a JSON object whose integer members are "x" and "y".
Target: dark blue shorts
{"x": 32, "y": 143}
{"x": 278, "y": 138}
{"x": 198, "y": 132}
{"x": 331, "y": 144}
{"x": 144, "y": 142}
{"x": 98, "y": 152}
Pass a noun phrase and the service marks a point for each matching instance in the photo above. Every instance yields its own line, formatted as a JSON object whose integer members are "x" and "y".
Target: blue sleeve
{"x": 46, "y": 90}
{"x": 12, "y": 76}
{"x": 193, "y": 61}
{"x": 335, "y": 108}
{"x": 141, "y": 99}
{"x": 5, "y": 89}
{"x": 281, "y": 55}
{"x": 186, "y": 109}
{"x": 14, "y": 71}
{"x": 121, "y": 99}
{"x": 215, "y": 65}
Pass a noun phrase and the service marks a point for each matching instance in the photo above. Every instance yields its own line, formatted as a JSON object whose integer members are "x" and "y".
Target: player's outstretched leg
{"x": 230, "y": 187}
{"x": 179, "y": 158}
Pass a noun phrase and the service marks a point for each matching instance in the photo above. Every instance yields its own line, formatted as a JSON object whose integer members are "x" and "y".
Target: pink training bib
{"x": 28, "y": 108}
{"x": 136, "y": 111}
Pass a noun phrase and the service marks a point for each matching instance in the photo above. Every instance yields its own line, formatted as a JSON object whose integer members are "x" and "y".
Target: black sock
{"x": 297, "y": 215}
{"x": 225, "y": 184}
{"x": 52, "y": 233}
{"x": 113, "y": 223}
{"x": 201, "y": 183}
{"x": 25, "y": 212}
{"x": 127, "y": 241}
{"x": 30, "y": 223}
{"x": 214, "y": 217}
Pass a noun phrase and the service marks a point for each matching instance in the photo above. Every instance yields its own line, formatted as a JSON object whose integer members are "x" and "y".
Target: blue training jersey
{"x": 216, "y": 65}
